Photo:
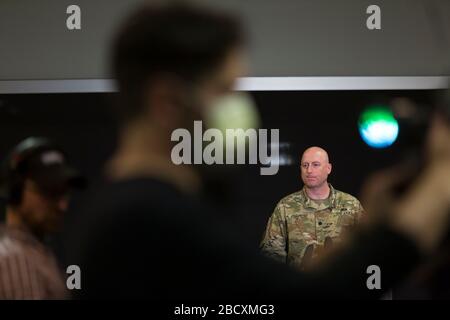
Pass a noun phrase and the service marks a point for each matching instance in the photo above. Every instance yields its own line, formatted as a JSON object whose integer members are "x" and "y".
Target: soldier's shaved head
{"x": 315, "y": 167}
{"x": 318, "y": 151}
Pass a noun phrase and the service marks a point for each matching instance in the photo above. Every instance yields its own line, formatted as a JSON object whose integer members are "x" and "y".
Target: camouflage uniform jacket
{"x": 300, "y": 229}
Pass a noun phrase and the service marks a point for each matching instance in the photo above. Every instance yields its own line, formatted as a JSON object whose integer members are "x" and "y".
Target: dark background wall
{"x": 82, "y": 124}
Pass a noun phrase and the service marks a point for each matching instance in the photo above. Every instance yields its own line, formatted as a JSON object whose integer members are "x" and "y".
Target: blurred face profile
{"x": 223, "y": 79}
{"x": 315, "y": 167}
{"x": 217, "y": 83}
{"x": 42, "y": 212}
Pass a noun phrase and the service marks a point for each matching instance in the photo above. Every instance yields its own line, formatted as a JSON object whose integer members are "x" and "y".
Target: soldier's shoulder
{"x": 295, "y": 197}
{"x": 345, "y": 197}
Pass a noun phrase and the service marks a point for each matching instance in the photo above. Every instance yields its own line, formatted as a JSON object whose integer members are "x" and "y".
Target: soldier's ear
{"x": 329, "y": 168}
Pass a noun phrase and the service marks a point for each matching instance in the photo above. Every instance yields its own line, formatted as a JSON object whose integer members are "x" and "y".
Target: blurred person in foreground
{"x": 146, "y": 233}
{"x": 36, "y": 183}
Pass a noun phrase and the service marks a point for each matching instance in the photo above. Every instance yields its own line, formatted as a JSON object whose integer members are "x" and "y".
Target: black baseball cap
{"x": 49, "y": 169}
{"x": 44, "y": 163}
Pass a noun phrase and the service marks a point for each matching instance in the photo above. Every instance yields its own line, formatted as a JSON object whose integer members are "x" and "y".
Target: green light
{"x": 378, "y": 127}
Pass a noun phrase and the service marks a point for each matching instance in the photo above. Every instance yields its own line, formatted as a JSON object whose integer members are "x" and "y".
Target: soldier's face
{"x": 315, "y": 169}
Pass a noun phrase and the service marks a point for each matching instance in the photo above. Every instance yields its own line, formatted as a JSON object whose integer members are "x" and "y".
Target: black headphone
{"x": 14, "y": 171}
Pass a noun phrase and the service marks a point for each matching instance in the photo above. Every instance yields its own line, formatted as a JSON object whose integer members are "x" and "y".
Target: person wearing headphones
{"x": 36, "y": 183}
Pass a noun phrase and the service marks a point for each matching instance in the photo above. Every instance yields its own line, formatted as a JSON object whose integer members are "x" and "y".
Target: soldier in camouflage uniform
{"x": 305, "y": 224}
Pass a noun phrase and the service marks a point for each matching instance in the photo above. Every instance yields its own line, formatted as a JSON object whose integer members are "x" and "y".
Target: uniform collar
{"x": 309, "y": 203}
